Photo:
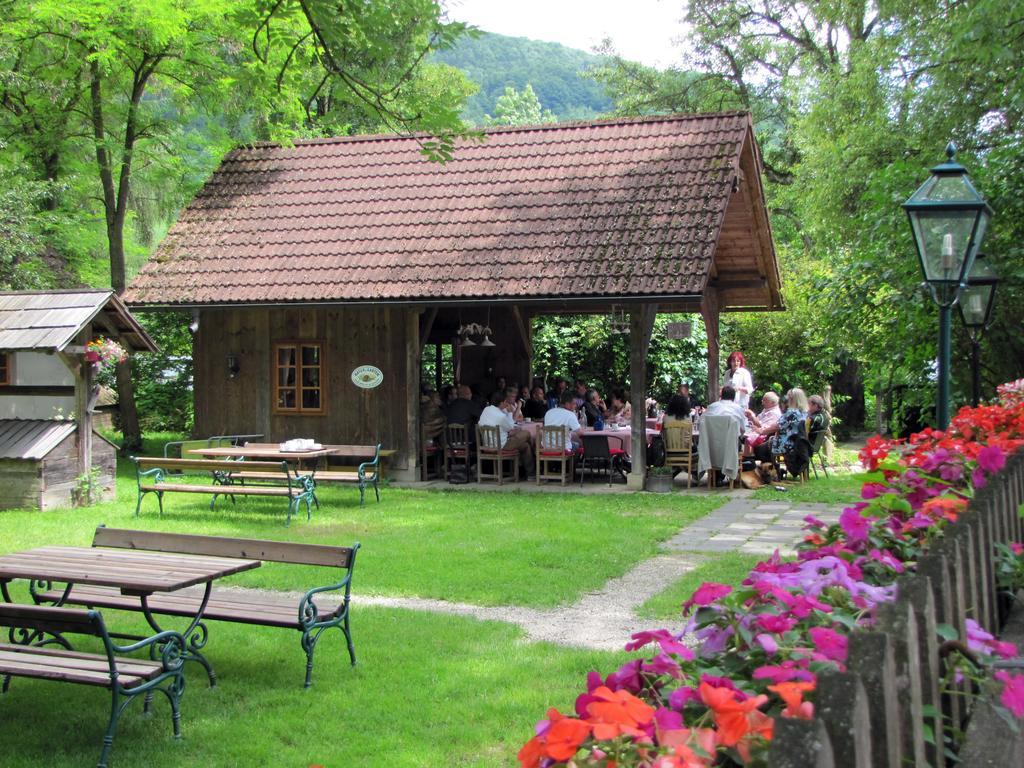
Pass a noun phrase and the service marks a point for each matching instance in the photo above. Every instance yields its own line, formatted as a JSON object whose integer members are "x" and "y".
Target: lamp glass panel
{"x": 942, "y": 238}
{"x": 974, "y": 301}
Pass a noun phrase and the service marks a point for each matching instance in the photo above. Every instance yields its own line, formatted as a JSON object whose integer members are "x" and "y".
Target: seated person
{"x": 463, "y": 410}
{"x": 497, "y": 414}
{"x": 431, "y": 417}
{"x": 565, "y": 416}
{"x": 727, "y": 404}
{"x": 764, "y": 424}
{"x": 580, "y": 393}
{"x": 820, "y": 418}
{"x": 559, "y": 386}
{"x": 535, "y": 408}
{"x": 678, "y": 409}
{"x": 620, "y": 412}
{"x": 684, "y": 390}
{"x": 790, "y": 440}
{"x": 511, "y": 403}
{"x": 593, "y": 407}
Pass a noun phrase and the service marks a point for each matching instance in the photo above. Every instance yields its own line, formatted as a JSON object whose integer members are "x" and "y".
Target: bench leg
{"x": 291, "y": 506}
{"x": 362, "y": 494}
{"x": 138, "y": 502}
{"x": 376, "y": 490}
{"x": 6, "y": 686}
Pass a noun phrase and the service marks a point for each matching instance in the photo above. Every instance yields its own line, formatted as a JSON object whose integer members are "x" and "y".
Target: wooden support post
{"x": 871, "y": 656}
{"x": 641, "y": 323}
{"x": 523, "y": 324}
{"x": 829, "y": 445}
{"x": 709, "y": 311}
{"x": 413, "y": 352}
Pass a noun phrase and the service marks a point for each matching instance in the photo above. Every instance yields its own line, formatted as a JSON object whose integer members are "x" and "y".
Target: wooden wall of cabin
{"x": 351, "y": 336}
{"x": 53, "y": 481}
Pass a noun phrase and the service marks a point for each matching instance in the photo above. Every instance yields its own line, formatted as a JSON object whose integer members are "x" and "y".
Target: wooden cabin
{"x": 50, "y": 455}
{"x": 319, "y": 274}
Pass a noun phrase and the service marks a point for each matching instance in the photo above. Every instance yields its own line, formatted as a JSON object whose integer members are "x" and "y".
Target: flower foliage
{"x": 709, "y": 693}
{"x": 106, "y": 352}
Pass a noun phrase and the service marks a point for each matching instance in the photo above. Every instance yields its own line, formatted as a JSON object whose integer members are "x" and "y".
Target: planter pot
{"x": 659, "y": 483}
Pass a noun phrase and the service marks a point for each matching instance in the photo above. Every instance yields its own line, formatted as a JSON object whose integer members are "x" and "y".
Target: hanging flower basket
{"x": 104, "y": 353}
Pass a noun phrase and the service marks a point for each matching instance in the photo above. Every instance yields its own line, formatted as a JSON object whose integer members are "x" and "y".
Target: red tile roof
{"x": 608, "y": 208}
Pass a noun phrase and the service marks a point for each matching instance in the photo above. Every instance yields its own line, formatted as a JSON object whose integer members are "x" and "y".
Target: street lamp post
{"x": 975, "y": 306}
{"x": 948, "y": 219}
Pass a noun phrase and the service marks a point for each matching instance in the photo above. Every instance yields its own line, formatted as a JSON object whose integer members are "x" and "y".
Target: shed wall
{"x": 52, "y": 481}
{"x": 351, "y": 337}
{"x": 37, "y": 369}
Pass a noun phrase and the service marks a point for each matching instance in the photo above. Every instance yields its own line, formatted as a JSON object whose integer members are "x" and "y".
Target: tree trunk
{"x": 115, "y": 208}
{"x": 848, "y": 382}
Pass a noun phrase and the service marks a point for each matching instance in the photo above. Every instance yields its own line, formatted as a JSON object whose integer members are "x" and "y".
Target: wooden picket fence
{"x": 877, "y": 712}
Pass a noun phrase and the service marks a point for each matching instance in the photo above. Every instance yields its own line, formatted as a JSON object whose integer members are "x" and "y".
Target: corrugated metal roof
{"x": 50, "y": 320}
{"x": 31, "y": 438}
{"x": 607, "y": 208}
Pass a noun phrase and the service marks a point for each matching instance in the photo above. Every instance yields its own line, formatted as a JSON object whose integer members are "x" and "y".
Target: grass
{"x": 428, "y": 690}
{"x": 531, "y": 549}
{"x": 725, "y": 568}
{"x": 837, "y": 489}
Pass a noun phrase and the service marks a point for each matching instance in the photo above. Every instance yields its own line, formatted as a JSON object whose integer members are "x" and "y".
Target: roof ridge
{"x": 674, "y": 117}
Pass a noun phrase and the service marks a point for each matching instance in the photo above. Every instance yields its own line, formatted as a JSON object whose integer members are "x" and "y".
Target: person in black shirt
{"x": 535, "y": 408}
{"x": 463, "y": 410}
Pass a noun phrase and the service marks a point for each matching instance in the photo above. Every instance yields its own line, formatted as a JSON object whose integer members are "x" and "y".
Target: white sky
{"x": 641, "y": 30}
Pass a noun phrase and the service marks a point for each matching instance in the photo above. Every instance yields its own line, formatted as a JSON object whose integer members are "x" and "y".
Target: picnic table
{"x": 134, "y": 572}
{"x": 273, "y": 451}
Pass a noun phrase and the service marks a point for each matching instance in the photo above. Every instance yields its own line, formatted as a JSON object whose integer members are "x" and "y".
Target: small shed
{"x": 49, "y": 453}
{"x": 39, "y": 464}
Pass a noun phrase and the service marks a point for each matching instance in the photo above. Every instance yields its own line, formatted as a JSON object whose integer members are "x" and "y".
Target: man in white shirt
{"x": 499, "y": 414}
{"x": 565, "y": 416}
{"x": 728, "y": 405}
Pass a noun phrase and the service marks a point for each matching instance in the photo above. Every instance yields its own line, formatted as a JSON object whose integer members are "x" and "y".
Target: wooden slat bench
{"x": 368, "y": 473}
{"x": 125, "y": 678}
{"x": 263, "y": 609}
{"x": 152, "y": 477}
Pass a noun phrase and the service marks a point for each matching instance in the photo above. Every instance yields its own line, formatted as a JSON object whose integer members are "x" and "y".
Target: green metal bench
{"x": 366, "y": 475}
{"x": 153, "y": 473}
{"x": 37, "y": 626}
{"x": 309, "y": 615}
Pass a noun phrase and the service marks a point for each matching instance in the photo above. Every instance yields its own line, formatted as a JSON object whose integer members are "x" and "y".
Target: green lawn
{"x": 534, "y": 549}
{"x": 429, "y": 690}
{"x": 836, "y": 489}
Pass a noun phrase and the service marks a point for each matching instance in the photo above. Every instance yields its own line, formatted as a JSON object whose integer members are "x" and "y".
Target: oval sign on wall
{"x": 367, "y": 376}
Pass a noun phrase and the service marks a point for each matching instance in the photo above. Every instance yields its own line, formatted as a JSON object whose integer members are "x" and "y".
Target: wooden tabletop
{"x": 263, "y": 451}
{"x": 133, "y": 571}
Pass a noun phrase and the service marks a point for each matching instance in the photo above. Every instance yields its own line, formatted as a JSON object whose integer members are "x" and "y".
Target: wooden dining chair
{"x": 554, "y": 462}
{"x": 431, "y": 457}
{"x": 457, "y": 448}
{"x": 489, "y": 450}
{"x": 678, "y": 437}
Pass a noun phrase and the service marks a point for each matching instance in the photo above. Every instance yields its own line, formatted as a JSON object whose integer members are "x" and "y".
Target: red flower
{"x": 706, "y": 594}
{"x": 614, "y": 713}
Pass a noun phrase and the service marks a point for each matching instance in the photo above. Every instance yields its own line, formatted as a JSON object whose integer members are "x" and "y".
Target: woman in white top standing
{"x": 738, "y": 375}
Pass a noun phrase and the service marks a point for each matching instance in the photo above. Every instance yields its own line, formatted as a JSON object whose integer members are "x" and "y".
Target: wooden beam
{"x": 710, "y": 311}
{"x": 523, "y": 324}
{"x": 641, "y": 323}
{"x": 426, "y": 328}
{"x": 37, "y": 391}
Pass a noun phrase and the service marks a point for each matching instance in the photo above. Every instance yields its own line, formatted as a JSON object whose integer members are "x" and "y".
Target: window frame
{"x": 6, "y": 369}
{"x": 275, "y": 372}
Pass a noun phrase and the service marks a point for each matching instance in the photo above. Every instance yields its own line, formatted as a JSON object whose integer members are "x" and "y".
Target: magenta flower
{"x": 681, "y": 696}
{"x": 991, "y": 459}
{"x": 662, "y": 664}
{"x": 978, "y": 478}
{"x": 706, "y": 594}
{"x": 783, "y": 673}
{"x": 886, "y": 559}
{"x": 767, "y": 642}
{"x": 669, "y": 643}
{"x": 1012, "y": 696}
{"x": 813, "y": 523}
{"x": 667, "y": 719}
{"x": 874, "y": 490}
{"x": 829, "y": 643}
{"x": 1017, "y": 548}
{"x": 778, "y": 624}
{"x": 854, "y": 525}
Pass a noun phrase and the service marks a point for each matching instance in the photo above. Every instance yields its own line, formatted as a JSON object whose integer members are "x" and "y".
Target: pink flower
{"x": 854, "y": 525}
{"x": 663, "y": 664}
{"x": 829, "y": 643}
{"x": 1012, "y": 696}
{"x": 813, "y": 523}
{"x": 885, "y": 558}
{"x": 767, "y": 642}
{"x": 1017, "y": 548}
{"x": 991, "y": 458}
{"x": 769, "y": 622}
{"x": 783, "y": 673}
{"x": 708, "y": 593}
{"x": 669, "y": 643}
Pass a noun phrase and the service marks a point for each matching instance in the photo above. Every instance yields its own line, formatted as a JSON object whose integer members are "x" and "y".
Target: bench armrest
{"x": 374, "y": 463}
{"x": 157, "y": 473}
{"x": 169, "y": 645}
{"x": 309, "y": 612}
